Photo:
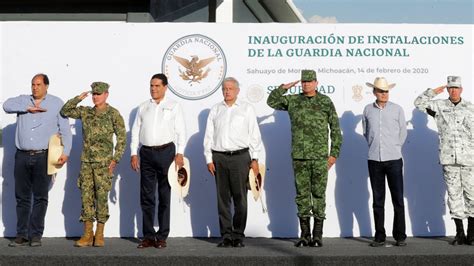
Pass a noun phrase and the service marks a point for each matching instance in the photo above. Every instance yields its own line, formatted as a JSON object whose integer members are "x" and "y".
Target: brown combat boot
{"x": 88, "y": 237}
{"x": 99, "y": 235}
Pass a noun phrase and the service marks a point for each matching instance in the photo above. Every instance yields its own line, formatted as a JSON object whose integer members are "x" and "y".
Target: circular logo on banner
{"x": 255, "y": 93}
{"x": 195, "y": 66}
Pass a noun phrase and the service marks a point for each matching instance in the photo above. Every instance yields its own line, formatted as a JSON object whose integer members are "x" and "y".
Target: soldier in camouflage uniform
{"x": 310, "y": 114}
{"x": 98, "y": 159}
{"x": 455, "y": 120}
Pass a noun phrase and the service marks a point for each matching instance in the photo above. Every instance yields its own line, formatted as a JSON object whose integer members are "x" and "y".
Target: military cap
{"x": 308, "y": 75}
{"x": 99, "y": 87}
{"x": 454, "y": 82}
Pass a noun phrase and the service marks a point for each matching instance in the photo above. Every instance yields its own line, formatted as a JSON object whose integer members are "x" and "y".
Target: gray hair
{"x": 231, "y": 79}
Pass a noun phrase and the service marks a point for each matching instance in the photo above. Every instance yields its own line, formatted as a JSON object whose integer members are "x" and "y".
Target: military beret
{"x": 308, "y": 75}
{"x": 99, "y": 87}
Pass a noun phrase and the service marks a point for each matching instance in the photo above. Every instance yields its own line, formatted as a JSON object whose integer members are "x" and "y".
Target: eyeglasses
{"x": 96, "y": 94}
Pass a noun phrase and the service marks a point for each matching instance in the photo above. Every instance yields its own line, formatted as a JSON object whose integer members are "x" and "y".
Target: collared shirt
{"x": 33, "y": 130}
{"x": 231, "y": 128}
{"x": 385, "y": 131}
{"x": 157, "y": 124}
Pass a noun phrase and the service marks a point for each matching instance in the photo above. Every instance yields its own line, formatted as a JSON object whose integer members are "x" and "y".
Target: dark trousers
{"x": 154, "y": 165}
{"x": 31, "y": 178}
{"x": 231, "y": 182}
{"x": 393, "y": 170}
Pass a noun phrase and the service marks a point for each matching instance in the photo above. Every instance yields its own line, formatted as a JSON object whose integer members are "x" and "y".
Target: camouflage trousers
{"x": 95, "y": 183}
{"x": 310, "y": 180}
{"x": 460, "y": 185}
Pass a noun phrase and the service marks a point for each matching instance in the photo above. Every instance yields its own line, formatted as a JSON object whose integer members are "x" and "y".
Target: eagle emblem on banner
{"x": 193, "y": 69}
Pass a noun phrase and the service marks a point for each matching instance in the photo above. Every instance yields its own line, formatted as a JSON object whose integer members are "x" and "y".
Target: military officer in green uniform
{"x": 310, "y": 114}
{"x": 98, "y": 159}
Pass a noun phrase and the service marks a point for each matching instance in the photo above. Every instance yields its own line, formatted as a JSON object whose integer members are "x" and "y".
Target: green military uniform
{"x": 310, "y": 117}
{"x": 98, "y": 128}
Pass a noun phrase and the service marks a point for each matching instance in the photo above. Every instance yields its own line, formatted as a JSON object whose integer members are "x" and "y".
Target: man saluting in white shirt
{"x": 159, "y": 128}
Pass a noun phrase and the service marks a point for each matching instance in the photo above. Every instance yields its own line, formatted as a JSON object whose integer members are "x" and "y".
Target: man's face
{"x": 230, "y": 91}
{"x": 381, "y": 95}
{"x": 38, "y": 88}
{"x": 100, "y": 99}
{"x": 157, "y": 89}
{"x": 309, "y": 87}
{"x": 455, "y": 94}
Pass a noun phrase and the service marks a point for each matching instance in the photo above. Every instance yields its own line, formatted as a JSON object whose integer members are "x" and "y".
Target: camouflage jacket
{"x": 98, "y": 129}
{"x": 455, "y": 127}
{"x": 309, "y": 118}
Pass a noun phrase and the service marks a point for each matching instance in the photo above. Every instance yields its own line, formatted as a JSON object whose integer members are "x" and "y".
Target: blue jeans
{"x": 393, "y": 170}
{"x": 31, "y": 178}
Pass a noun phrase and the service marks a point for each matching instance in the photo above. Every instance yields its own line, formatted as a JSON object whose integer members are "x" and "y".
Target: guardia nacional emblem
{"x": 195, "y": 66}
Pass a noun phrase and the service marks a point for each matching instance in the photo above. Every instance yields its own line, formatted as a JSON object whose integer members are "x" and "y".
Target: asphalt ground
{"x": 257, "y": 251}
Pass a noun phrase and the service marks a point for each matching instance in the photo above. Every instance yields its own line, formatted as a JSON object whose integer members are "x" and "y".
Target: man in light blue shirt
{"x": 38, "y": 119}
{"x": 385, "y": 130}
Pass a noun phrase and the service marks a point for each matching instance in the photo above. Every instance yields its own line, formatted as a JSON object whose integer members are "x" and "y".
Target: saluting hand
{"x": 289, "y": 85}
{"x": 440, "y": 89}
{"x": 83, "y": 95}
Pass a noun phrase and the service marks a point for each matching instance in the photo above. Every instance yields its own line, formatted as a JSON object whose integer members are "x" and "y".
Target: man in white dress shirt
{"x": 159, "y": 128}
{"x": 232, "y": 143}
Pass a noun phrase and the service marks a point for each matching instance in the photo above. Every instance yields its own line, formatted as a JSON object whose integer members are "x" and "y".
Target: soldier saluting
{"x": 98, "y": 159}
{"x": 455, "y": 120}
{"x": 310, "y": 114}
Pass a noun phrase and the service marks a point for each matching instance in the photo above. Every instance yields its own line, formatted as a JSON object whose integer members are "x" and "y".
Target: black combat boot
{"x": 460, "y": 236}
{"x": 470, "y": 231}
{"x": 317, "y": 240}
{"x": 305, "y": 233}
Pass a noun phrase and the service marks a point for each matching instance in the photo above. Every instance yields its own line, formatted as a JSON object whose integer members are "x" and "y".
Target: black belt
{"x": 157, "y": 148}
{"x": 230, "y": 153}
{"x": 33, "y": 152}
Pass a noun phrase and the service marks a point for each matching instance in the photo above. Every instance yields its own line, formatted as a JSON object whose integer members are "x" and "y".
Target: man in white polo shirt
{"x": 159, "y": 128}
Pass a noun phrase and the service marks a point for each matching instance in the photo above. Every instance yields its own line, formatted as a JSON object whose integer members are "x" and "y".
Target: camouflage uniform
{"x": 456, "y": 145}
{"x": 98, "y": 128}
{"x": 310, "y": 117}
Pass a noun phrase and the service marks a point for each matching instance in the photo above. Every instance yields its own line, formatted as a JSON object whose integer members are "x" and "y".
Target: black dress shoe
{"x": 238, "y": 243}
{"x": 146, "y": 243}
{"x": 377, "y": 243}
{"x": 401, "y": 243}
{"x": 226, "y": 243}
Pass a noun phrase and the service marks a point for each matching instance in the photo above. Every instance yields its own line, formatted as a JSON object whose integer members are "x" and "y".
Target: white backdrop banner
{"x": 197, "y": 57}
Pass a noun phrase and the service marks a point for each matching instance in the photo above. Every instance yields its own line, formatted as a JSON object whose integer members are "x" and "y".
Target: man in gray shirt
{"x": 385, "y": 131}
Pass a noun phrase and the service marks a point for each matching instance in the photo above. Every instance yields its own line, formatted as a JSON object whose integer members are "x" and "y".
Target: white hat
{"x": 256, "y": 183}
{"x": 55, "y": 149}
{"x": 179, "y": 179}
{"x": 380, "y": 83}
{"x": 454, "y": 82}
